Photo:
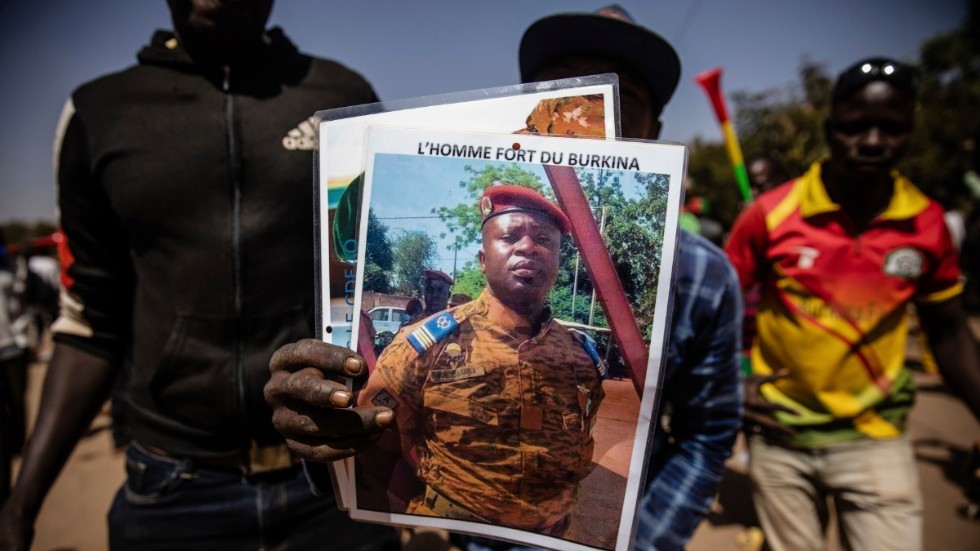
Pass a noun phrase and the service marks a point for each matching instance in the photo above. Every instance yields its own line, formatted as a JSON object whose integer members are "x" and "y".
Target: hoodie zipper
{"x": 235, "y": 178}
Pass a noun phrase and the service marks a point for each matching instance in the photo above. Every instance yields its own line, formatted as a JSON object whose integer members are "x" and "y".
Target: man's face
{"x": 761, "y": 175}
{"x": 220, "y": 24}
{"x": 868, "y": 132}
{"x": 520, "y": 257}
{"x": 436, "y": 295}
{"x": 636, "y": 101}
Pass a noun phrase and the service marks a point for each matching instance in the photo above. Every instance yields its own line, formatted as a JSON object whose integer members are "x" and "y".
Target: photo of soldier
{"x": 494, "y": 401}
{"x": 505, "y": 422}
{"x": 435, "y": 293}
{"x": 459, "y": 299}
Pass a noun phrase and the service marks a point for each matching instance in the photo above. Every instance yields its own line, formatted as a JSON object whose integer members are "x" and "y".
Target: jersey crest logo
{"x": 808, "y": 255}
{"x": 905, "y": 263}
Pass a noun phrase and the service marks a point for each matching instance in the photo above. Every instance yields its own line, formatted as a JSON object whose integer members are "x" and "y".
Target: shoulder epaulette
{"x": 589, "y": 345}
{"x": 432, "y": 330}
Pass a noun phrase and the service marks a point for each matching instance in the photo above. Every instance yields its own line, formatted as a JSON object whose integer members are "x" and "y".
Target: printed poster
{"x": 586, "y": 106}
{"x": 523, "y": 410}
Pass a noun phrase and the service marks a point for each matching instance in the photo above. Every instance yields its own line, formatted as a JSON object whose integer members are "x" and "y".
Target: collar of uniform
{"x": 486, "y": 298}
{"x": 907, "y": 201}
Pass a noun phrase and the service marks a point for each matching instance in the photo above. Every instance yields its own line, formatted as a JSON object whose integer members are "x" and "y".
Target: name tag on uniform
{"x": 449, "y": 375}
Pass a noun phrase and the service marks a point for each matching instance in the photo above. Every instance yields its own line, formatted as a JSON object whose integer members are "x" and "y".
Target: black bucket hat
{"x": 610, "y": 31}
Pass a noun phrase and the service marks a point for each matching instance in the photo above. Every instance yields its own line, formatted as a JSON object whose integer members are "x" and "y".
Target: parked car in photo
{"x": 387, "y": 318}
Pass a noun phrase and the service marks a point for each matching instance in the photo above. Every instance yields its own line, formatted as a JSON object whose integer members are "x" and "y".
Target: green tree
{"x": 465, "y": 219}
{"x": 470, "y": 280}
{"x": 944, "y": 143}
{"x": 633, "y": 231}
{"x": 787, "y": 123}
{"x": 379, "y": 259}
{"x": 634, "y": 238}
{"x": 413, "y": 254}
{"x": 22, "y": 232}
{"x": 710, "y": 176}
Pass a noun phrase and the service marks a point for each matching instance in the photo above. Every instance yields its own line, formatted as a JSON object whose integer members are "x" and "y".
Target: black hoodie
{"x": 187, "y": 201}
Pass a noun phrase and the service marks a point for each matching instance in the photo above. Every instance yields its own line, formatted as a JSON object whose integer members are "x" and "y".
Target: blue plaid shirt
{"x": 701, "y": 401}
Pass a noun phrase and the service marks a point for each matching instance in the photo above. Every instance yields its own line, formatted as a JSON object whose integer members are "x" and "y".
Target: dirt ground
{"x": 942, "y": 430}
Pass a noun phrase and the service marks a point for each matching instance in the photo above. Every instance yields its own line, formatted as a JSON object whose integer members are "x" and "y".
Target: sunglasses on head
{"x": 903, "y": 77}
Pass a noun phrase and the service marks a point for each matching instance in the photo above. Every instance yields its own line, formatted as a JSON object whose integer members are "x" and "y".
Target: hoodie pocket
{"x": 196, "y": 384}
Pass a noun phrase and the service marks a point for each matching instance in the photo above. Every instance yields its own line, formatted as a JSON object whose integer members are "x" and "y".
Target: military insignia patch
{"x": 454, "y": 351}
{"x": 486, "y": 206}
{"x": 432, "y": 331}
{"x": 384, "y": 399}
{"x": 590, "y": 347}
{"x": 905, "y": 263}
{"x": 454, "y": 354}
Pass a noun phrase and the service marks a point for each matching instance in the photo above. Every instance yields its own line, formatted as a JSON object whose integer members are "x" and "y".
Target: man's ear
{"x": 481, "y": 257}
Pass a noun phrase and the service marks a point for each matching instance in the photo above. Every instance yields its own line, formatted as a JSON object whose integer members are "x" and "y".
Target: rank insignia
{"x": 486, "y": 206}
{"x": 384, "y": 399}
{"x": 432, "y": 330}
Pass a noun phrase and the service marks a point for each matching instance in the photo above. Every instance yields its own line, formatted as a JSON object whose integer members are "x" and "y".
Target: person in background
{"x": 765, "y": 173}
{"x": 436, "y": 292}
{"x": 459, "y": 299}
{"x": 184, "y": 197}
{"x": 701, "y": 383}
{"x": 15, "y": 323}
{"x": 839, "y": 253}
{"x": 414, "y": 309}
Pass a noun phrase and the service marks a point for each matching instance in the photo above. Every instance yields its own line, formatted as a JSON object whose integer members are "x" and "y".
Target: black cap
{"x": 610, "y": 31}
{"x": 902, "y": 76}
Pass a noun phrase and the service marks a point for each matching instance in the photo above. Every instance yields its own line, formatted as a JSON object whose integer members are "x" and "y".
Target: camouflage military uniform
{"x": 502, "y": 429}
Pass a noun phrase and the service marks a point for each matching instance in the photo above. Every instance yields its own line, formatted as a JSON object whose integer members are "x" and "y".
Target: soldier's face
{"x": 436, "y": 295}
{"x": 520, "y": 257}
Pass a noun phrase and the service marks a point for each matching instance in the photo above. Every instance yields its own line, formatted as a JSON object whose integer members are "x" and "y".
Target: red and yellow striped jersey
{"x": 833, "y": 310}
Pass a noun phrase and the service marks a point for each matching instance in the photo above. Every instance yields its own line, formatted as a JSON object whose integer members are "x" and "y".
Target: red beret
{"x": 436, "y": 274}
{"x": 503, "y": 198}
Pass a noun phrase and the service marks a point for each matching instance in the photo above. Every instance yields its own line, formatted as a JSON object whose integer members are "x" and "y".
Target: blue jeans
{"x": 170, "y": 504}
